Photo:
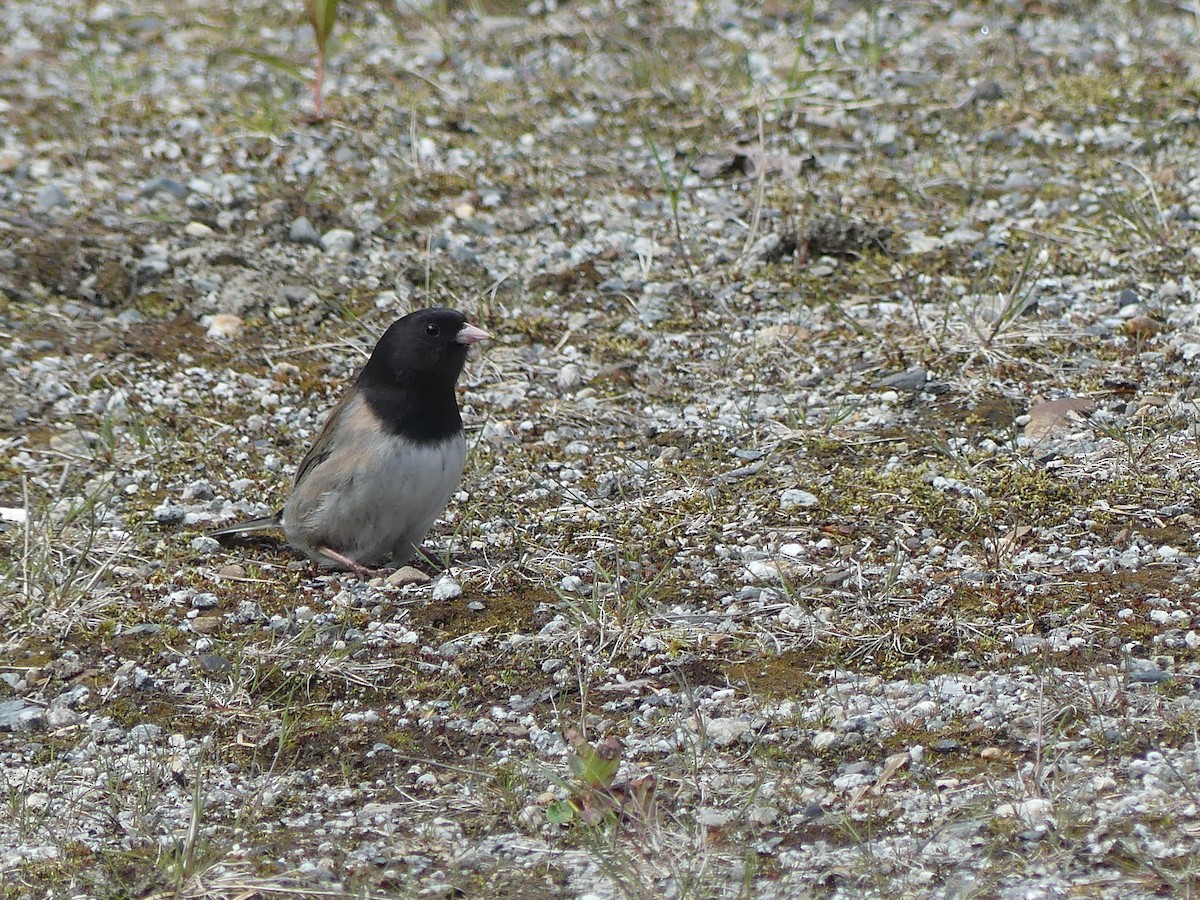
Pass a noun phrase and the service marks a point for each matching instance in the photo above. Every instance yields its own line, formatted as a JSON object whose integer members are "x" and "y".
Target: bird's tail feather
{"x": 264, "y": 524}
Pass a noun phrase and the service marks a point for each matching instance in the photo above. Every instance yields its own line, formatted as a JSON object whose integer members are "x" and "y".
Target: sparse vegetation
{"x": 782, "y": 572}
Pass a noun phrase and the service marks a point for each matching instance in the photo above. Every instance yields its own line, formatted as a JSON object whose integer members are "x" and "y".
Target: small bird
{"x": 390, "y": 455}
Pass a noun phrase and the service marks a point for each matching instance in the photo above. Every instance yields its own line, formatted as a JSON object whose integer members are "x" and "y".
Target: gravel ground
{"x": 830, "y": 521}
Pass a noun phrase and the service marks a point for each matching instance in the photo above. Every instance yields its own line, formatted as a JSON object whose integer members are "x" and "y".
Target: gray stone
{"x": 62, "y": 717}
{"x": 655, "y": 303}
{"x": 794, "y": 498}
{"x": 130, "y": 317}
{"x": 205, "y": 601}
{"x": 145, "y": 733}
{"x": 13, "y": 680}
{"x": 169, "y": 514}
{"x": 204, "y": 545}
{"x": 50, "y": 196}
{"x": 212, "y": 664}
{"x": 338, "y": 240}
{"x": 164, "y": 185}
{"x": 143, "y": 629}
{"x": 723, "y": 732}
{"x": 1149, "y": 676}
{"x": 913, "y": 381}
{"x": 302, "y": 232}
{"x": 17, "y": 715}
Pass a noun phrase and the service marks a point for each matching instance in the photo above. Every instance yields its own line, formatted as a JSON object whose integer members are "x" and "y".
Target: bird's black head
{"x": 409, "y": 379}
{"x": 428, "y": 347}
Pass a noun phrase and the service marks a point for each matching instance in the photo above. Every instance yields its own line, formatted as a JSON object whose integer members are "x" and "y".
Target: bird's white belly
{"x": 380, "y": 509}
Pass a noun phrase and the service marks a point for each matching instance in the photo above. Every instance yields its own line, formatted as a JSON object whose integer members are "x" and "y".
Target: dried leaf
{"x": 1057, "y": 415}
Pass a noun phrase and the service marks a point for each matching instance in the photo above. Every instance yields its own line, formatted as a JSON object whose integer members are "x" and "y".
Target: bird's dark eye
{"x": 432, "y": 330}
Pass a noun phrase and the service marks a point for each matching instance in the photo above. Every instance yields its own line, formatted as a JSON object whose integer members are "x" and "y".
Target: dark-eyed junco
{"x": 390, "y": 455}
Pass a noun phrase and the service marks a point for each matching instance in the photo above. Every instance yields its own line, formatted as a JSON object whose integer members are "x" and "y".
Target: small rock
{"x": 224, "y": 325}
{"x": 204, "y": 545}
{"x": 568, "y": 377}
{"x": 205, "y": 624}
{"x": 723, "y": 732}
{"x": 212, "y": 664}
{"x": 1034, "y": 811}
{"x": 13, "y": 680}
{"x": 407, "y": 575}
{"x": 912, "y": 381}
{"x": 762, "y": 571}
{"x": 163, "y": 185}
{"x": 145, "y": 733}
{"x": 743, "y": 471}
{"x": 14, "y": 514}
{"x": 197, "y": 230}
{"x": 49, "y": 197}
{"x": 17, "y": 715}
{"x": 233, "y": 570}
{"x": 205, "y": 601}
{"x": 1149, "y": 676}
{"x": 1141, "y": 327}
{"x": 142, "y": 629}
{"x": 302, "y": 232}
{"x": 825, "y": 740}
{"x": 62, "y": 717}
{"x": 9, "y": 160}
{"x": 338, "y": 240}
{"x": 655, "y": 303}
{"x": 713, "y": 818}
{"x": 447, "y": 589}
{"x": 794, "y": 498}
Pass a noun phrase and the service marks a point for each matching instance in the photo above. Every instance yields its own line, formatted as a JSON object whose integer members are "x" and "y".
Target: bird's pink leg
{"x": 342, "y": 560}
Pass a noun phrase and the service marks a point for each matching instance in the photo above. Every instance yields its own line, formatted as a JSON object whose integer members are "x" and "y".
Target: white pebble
{"x": 447, "y": 588}
{"x": 762, "y": 571}
{"x": 224, "y": 325}
{"x": 338, "y": 240}
{"x": 794, "y": 497}
{"x": 568, "y": 376}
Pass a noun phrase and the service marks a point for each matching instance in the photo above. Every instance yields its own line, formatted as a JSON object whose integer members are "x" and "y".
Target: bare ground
{"x": 830, "y": 524}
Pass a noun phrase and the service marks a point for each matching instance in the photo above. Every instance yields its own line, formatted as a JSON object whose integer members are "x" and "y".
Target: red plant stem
{"x": 318, "y": 81}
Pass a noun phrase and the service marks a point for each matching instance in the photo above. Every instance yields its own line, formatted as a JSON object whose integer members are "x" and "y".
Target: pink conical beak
{"x": 469, "y": 334}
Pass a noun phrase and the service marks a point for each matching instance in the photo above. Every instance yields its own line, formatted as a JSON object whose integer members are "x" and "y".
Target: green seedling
{"x": 596, "y": 796}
